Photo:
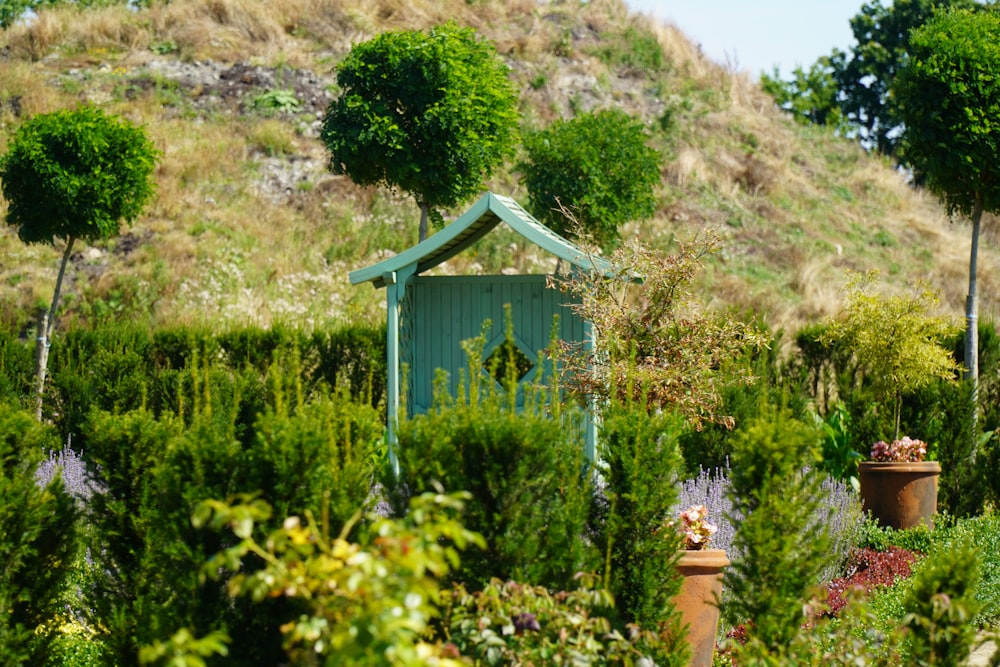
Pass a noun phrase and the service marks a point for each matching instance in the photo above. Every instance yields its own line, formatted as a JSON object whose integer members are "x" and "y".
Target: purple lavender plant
{"x": 841, "y": 513}
{"x": 73, "y": 471}
{"x": 710, "y": 488}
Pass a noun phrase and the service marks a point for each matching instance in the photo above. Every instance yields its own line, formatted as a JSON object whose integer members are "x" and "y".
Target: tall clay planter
{"x": 900, "y": 495}
{"x": 698, "y": 600}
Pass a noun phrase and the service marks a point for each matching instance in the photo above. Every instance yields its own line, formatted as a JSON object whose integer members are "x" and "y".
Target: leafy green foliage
{"x": 432, "y": 114}
{"x": 598, "y": 168}
{"x": 13, "y": 10}
{"x": 840, "y": 459}
{"x": 775, "y": 491}
{"x": 276, "y": 102}
{"x": 850, "y": 91}
{"x": 896, "y": 339}
{"x": 76, "y": 174}
{"x": 184, "y": 650}
{"x": 77, "y": 647}
{"x": 73, "y": 174}
{"x": 952, "y": 141}
{"x": 883, "y": 35}
{"x": 38, "y": 539}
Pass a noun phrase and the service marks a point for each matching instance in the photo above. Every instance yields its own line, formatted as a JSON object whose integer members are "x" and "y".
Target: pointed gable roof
{"x": 474, "y": 224}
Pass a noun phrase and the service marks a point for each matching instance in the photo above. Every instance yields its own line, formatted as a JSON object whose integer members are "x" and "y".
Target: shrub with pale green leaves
{"x": 365, "y": 603}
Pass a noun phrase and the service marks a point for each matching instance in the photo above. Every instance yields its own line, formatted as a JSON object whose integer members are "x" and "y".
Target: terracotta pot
{"x": 900, "y": 495}
{"x": 698, "y": 600}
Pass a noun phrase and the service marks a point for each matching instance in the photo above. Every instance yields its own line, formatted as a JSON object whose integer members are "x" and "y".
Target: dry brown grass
{"x": 21, "y": 96}
{"x": 35, "y": 40}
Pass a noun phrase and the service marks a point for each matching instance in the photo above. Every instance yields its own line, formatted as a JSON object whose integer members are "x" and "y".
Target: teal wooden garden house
{"x": 428, "y": 317}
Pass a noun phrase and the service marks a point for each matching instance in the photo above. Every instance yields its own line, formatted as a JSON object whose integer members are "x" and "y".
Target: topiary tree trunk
{"x": 45, "y": 322}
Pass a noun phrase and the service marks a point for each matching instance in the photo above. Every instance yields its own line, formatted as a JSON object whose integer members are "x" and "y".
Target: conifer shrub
{"x": 353, "y": 354}
{"x": 124, "y": 366}
{"x": 121, "y": 452}
{"x": 640, "y": 463}
{"x": 256, "y": 346}
{"x": 106, "y": 368}
{"x": 319, "y": 454}
{"x": 782, "y": 549}
{"x": 38, "y": 540}
{"x": 173, "y": 347}
{"x": 526, "y": 471}
{"x": 306, "y": 452}
{"x": 16, "y": 368}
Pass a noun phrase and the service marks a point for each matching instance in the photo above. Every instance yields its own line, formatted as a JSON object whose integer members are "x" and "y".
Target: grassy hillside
{"x": 249, "y": 226}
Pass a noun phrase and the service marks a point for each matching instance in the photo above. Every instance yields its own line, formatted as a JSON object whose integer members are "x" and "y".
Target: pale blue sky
{"x": 756, "y": 35}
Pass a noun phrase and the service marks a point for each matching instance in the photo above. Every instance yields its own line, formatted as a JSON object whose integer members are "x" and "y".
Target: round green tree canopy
{"x": 76, "y": 174}
{"x": 432, "y": 114}
{"x": 948, "y": 97}
{"x": 598, "y": 166}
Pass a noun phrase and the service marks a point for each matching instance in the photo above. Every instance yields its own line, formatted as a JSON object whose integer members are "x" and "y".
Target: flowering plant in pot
{"x": 696, "y": 531}
{"x": 898, "y": 486}
{"x": 701, "y": 590}
{"x": 903, "y": 450}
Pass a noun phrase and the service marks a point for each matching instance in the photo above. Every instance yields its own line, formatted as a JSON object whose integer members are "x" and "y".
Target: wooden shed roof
{"x": 479, "y": 220}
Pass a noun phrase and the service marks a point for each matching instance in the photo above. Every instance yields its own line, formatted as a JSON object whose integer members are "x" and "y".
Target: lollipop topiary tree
{"x": 73, "y": 174}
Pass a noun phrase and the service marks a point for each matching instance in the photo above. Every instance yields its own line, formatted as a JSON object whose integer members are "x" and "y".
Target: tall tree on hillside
{"x": 598, "y": 166}
{"x": 861, "y": 76}
{"x": 432, "y": 114}
{"x": 812, "y": 95}
{"x": 73, "y": 174}
{"x": 948, "y": 98}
